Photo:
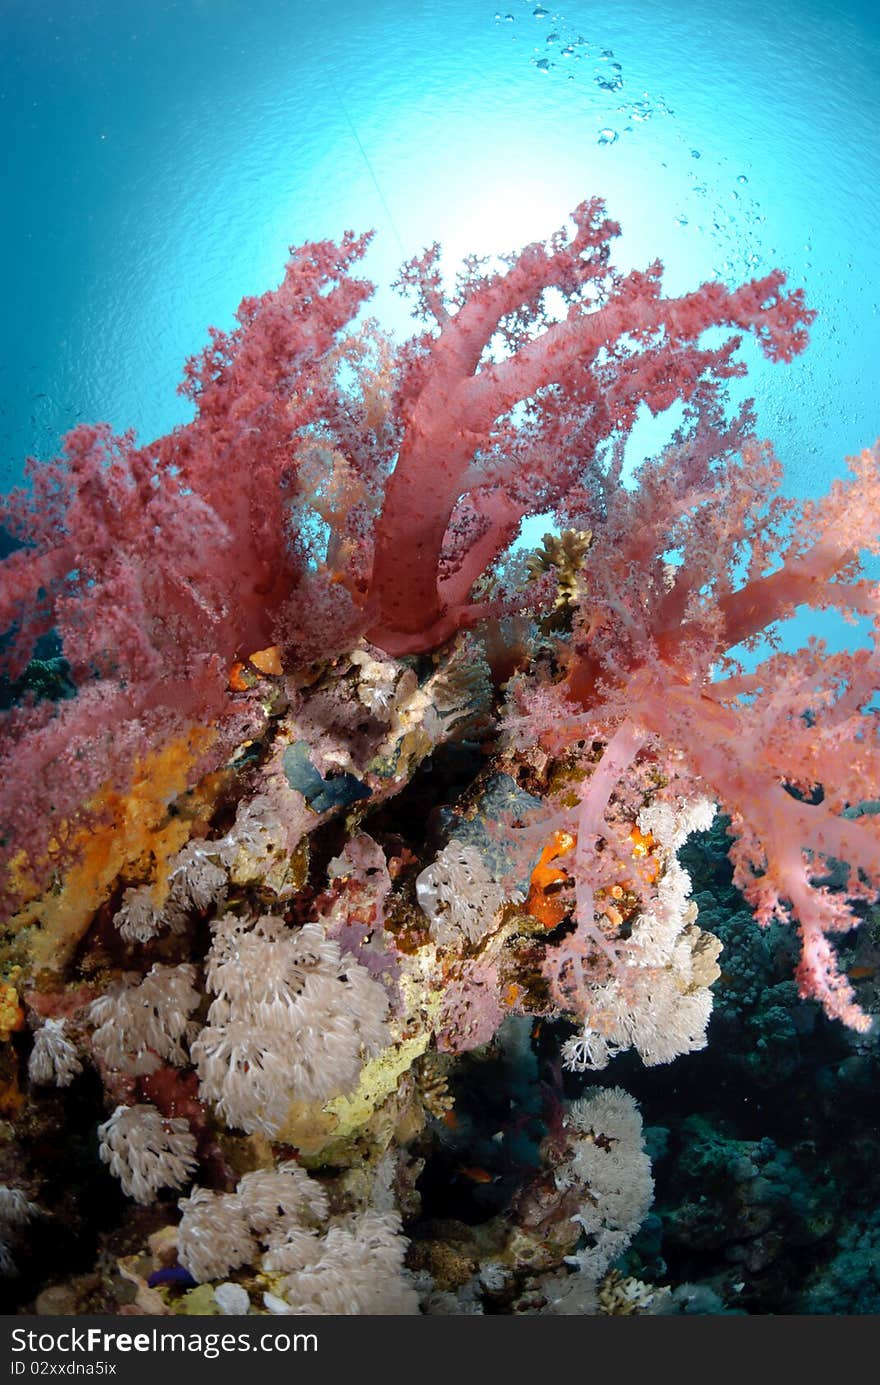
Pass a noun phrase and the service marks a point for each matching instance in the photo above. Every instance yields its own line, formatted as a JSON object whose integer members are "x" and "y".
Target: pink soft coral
{"x": 468, "y": 469}
{"x": 650, "y": 679}
{"x": 160, "y": 566}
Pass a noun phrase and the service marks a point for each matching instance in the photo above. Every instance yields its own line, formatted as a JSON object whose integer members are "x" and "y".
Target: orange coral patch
{"x": 546, "y": 880}
{"x": 643, "y": 846}
{"x": 642, "y": 842}
{"x": 237, "y": 680}
{"x": 267, "y": 660}
{"x": 123, "y": 829}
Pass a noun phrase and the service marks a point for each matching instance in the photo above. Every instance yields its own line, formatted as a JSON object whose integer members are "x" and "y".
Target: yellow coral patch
{"x": 312, "y": 1127}
{"x": 127, "y": 828}
{"x": 11, "y": 1013}
{"x": 379, "y": 1079}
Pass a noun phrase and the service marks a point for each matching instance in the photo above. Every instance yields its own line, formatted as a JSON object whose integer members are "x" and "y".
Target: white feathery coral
{"x": 221, "y": 1231}
{"x": 607, "y": 1160}
{"x": 53, "y": 1058}
{"x": 459, "y": 895}
{"x": 137, "y": 918}
{"x": 292, "y": 1020}
{"x": 213, "y": 1237}
{"x": 356, "y": 1268}
{"x": 257, "y": 833}
{"x": 197, "y": 881}
{"x": 278, "y": 1199}
{"x": 660, "y": 1002}
{"x": 141, "y": 1025}
{"x": 671, "y": 827}
{"x": 459, "y": 692}
{"x": 198, "y": 874}
{"x": 377, "y": 681}
{"x": 16, "y": 1210}
{"x": 147, "y": 1151}
{"x": 245, "y": 1073}
{"x": 15, "y": 1207}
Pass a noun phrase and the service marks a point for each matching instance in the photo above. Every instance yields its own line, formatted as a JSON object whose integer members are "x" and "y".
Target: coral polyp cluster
{"x": 336, "y": 792}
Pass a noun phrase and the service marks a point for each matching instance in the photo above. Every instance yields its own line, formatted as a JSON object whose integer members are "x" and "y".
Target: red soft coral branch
{"x": 160, "y": 565}
{"x": 784, "y": 841}
{"x": 639, "y": 346}
{"x": 648, "y": 651}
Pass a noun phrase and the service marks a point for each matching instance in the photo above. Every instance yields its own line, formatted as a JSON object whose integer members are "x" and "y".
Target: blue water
{"x": 161, "y": 156}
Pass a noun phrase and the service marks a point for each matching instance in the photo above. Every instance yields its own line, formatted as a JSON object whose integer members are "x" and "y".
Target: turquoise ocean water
{"x": 160, "y": 157}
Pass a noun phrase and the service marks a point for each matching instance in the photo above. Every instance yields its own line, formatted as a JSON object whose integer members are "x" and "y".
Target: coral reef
{"x": 344, "y": 844}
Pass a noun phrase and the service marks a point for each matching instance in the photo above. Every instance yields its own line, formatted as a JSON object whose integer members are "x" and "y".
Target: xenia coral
{"x": 54, "y": 1058}
{"x": 354, "y": 1269}
{"x": 219, "y": 1231}
{"x": 292, "y": 1021}
{"x": 16, "y": 1210}
{"x": 658, "y": 1001}
{"x": 609, "y": 1160}
{"x": 140, "y": 1024}
{"x": 607, "y": 1167}
{"x": 147, "y": 1151}
{"x": 458, "y": 894}
{"x": 277, "y": 1219}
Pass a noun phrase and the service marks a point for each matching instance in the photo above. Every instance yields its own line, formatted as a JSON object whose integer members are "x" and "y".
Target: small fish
{"x": 476, "y": 1174}
{"x": 172, "y": 1274}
